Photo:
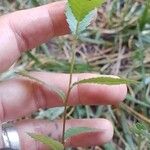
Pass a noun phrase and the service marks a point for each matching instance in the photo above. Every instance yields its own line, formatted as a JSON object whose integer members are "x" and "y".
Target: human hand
{"x": 21, "y": 31}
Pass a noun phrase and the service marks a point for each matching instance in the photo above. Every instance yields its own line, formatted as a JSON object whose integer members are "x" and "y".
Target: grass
{"x": 118, "y": 43}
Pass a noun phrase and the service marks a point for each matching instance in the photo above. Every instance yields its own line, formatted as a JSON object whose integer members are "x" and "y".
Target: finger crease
{"x": 39, "y": 96}
{"x": 51, "y": 22}
{"x": 22, "y": 41}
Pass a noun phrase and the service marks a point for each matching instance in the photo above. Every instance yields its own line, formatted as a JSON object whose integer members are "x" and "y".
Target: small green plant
{"x": 79, "y": 15}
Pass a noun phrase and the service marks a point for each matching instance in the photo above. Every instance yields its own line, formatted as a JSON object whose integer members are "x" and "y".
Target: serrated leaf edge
{"x": 85, "y": 130}
{"x": 114, "y": 81}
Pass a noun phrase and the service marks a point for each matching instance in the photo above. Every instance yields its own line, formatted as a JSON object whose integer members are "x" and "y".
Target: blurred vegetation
{"x": 117, "y": 43}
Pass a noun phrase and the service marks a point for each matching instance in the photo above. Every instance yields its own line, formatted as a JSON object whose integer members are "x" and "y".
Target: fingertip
{"x": 117, "y": 93}
{"x": 103, "y": 134}
{"x": 108, "y": 130}
{"x": 95, "y": 94}
{"x": 122, "y": 92}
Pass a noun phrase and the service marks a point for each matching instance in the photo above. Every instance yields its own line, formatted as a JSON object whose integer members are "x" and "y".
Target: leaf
{"x": 140, "y": 126}
{"x": 80, "y": 13}
{"x": 105, "y": 80}
{"x": 140, "y": 129}
{"x": 71, "y": 20}
{"x": 51, "y": 143}
{"x": 81, "y": 8}
{"x": 59, "y": 92}
{"x": 87, "y": 21}
{"x": 78, "y": 27}
{"x": 77, "y": 131}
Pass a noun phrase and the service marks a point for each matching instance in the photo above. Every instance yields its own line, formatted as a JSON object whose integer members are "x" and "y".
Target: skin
{"x": 21, "y": 31}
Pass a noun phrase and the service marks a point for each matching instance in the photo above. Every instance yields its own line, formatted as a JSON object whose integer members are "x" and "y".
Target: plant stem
{"x": 68, "y": 93}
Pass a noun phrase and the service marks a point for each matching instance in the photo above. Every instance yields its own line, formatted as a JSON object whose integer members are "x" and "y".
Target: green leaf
{"x": 71, "y": 20}
{"x": 140, "y": 126}
{"x": 78, "y": 27}
{"x": 80, "y": 13}
{"x": 105, "y": 80}
{"x": 140, "y": 129}
{"x": 87, "y": 21}
{"x": 51, "y": 143}
{"x": 78, "y": 130}
{"x": 81, "y": 8}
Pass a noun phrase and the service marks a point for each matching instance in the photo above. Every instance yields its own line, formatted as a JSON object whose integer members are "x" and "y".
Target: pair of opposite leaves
{"x": 80, "y": 13}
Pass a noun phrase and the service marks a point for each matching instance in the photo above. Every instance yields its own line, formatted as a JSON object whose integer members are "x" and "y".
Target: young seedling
{"x": 79, "y": 15}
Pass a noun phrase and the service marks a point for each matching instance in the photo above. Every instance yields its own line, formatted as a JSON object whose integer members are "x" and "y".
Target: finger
{"x": 26, "y": 29}
{"x": 27, "y": 96}
{"x": 54, "y": 130}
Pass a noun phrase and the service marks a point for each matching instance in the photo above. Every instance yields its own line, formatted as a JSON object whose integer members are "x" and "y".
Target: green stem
{"x": 68, "y": 93}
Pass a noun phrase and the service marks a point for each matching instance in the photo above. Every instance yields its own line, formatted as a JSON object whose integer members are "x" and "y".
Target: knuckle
{"x": 21, "y": 40}
{"x": 39, "y": 97}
